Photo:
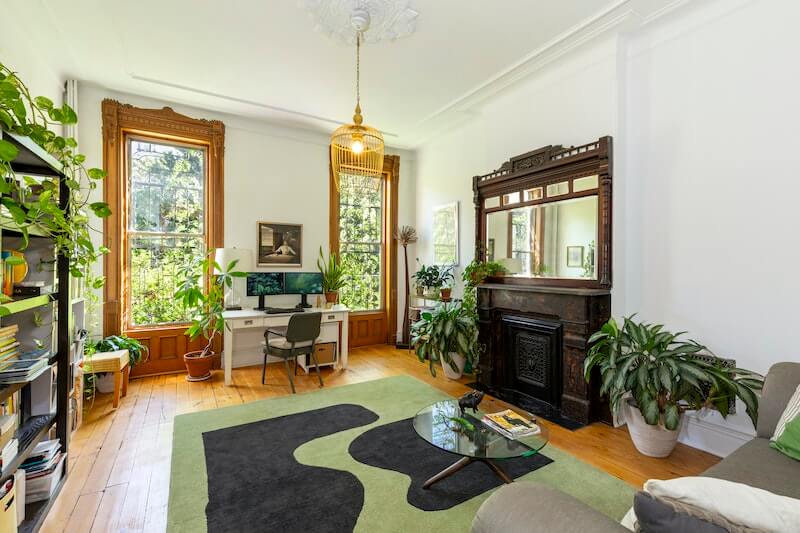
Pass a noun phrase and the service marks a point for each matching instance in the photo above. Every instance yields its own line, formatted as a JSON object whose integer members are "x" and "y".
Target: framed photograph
{"x": 280, "y": 244}
{"x": 445, "y": 234}
{"x": 575, "y": 256}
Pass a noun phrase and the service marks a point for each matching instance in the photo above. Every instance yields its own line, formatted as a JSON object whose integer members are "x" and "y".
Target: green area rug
{"x": 385, "y": 507}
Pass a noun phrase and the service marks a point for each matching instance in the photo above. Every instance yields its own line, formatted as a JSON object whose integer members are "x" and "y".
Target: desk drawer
{"x": 248, "y": 323}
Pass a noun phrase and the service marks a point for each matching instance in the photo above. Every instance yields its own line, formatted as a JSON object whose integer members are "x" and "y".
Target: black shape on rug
{"x": 256, "y": 484}
{"x": 397, "y": 447}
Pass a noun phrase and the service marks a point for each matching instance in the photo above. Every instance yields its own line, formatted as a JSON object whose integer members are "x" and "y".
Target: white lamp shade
{"x": 224, "y": 256}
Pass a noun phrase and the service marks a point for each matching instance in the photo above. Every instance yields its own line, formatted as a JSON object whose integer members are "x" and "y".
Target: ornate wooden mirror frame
{"x": 528, "y": 175}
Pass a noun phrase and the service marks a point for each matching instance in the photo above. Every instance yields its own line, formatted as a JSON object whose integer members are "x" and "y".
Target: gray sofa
{"x": 526, "y": 507}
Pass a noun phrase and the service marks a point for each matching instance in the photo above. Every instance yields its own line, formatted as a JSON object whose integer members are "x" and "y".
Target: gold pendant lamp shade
{"x": 356, "y": 148}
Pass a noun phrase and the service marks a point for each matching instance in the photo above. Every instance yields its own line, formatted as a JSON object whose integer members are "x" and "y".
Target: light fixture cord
{"x": 358, "y": 68}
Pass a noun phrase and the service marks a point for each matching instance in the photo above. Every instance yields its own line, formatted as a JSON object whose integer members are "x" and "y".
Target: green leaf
{"x": 16, "y": 211}
{"x": 96, "y": 173}
{"x": 43, "y": 102}
{"x": 672, "y": 416}
{"x": 649, "y": 409}
{"x": 100, "y": 209}
{"x": 8, "y": 152}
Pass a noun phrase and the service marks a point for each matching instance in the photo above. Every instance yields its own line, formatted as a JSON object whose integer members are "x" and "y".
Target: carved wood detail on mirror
{"x": 546, "y": 216}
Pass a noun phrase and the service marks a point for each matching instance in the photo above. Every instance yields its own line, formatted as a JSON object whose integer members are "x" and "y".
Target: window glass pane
{"x": 511, "y": 198}
{"x": 166, "y": 187}
{"x": 361, "y": 240}
{"x": 489, "y": 203}
{"x": 584, "y": 184}
{"x": 166, "y": 226}
{"x": 155, "y": 262}
{"x": 557, "y": 189}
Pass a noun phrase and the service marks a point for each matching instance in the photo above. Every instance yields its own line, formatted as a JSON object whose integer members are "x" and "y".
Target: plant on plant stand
{"x": 447, "y": 334}
{"x": 665, "y": 377}
{"x": 333, "y": 276}
{"x": 425, "y": 278}
{"x": 204, "y": 307}
{"x": 444, "y": 280}
{"x": 137, "y": 354}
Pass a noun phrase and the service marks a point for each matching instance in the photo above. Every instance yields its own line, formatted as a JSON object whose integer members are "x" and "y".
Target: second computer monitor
{"x": 302, "y": 283}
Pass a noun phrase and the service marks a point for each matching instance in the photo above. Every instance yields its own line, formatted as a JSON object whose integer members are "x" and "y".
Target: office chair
{"x": 298, "y": 338}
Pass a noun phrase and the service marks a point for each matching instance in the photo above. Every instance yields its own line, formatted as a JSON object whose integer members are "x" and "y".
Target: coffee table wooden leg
{"x": 499, "y": 471}
{"x": 447, "y": 472}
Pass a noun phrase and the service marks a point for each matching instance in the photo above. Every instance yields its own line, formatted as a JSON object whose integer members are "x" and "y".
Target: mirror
{"x": 553, "y": 240}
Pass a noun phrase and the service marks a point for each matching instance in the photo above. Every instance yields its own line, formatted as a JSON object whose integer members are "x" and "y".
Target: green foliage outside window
{"x": 165, "y": 228}
{"x": 361, "y": 240}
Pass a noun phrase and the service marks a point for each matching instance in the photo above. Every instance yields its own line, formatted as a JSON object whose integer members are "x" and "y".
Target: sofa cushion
{"x": 525, "y": 507}
{"x": 758, "y": 465}
{"x": 656, "y": 516}
{"x": 789, "y": 441}
{"x": 779, "y": 385}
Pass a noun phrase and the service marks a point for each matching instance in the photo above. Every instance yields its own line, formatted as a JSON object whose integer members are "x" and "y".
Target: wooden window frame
{"x": 119, "y": 122}
{"x": 391, "y": 177}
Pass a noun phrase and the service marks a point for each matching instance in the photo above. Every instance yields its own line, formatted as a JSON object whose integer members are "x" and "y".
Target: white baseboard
{"x": 714, "y": 436}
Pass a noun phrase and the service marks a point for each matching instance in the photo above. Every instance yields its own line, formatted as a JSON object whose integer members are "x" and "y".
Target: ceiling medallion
{"x": 382, "y": 20}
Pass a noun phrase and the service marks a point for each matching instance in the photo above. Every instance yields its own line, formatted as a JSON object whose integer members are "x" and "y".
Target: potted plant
{"x": 447, "y": 334}
{"x": 665, "y": 377}
{"x": 476, "y": 272}
{"x": 137, "y": 353}
{"x": 204, "y": 308}
{"x": 425, "y": 278}
{"x": 333, "y": 276}
{"x": 444, "y": 279}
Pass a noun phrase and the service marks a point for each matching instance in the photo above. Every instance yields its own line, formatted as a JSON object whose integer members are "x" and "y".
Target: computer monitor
{"x": 264, "y": 284}
{"x": 303, "y": 283}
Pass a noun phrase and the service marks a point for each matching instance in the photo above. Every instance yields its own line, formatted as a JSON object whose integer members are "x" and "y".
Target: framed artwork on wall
{"x": 575, "y": 256}
{"x": 445, "y": 234}
{"x": 280, "y": 244}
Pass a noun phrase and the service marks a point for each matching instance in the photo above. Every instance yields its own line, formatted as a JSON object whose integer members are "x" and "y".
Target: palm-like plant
{"x": 664, "y": 374}
{"x": 447, "y": 328}
{"x": 333, "y": 274}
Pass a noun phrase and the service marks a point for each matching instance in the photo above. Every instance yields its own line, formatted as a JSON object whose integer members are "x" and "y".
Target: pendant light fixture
{"x": 357, "y": 148}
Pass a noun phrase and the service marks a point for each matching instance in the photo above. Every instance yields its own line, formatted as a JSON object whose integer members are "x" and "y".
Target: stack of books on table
{"x": 21, "y": 370}
{"x": 43, "y": 469}
{"x": 8, "y": 343}
{"x": 511, "y": 424}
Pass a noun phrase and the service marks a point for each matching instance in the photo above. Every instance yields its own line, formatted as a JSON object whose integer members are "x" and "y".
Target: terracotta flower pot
{"x": 198, "y": 365}
{"x": 331, "y": 297}
{"x": 445, "y": 292}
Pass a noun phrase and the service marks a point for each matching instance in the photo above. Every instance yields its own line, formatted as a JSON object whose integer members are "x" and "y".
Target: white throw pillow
{"x": 791, "y": 411}
{"x": 737, "y": 503}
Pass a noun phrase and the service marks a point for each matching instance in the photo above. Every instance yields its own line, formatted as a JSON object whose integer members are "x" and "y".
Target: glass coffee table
{"x": 476, "y": 444}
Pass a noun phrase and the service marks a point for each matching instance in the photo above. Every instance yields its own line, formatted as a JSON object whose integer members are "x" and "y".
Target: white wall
{"x": 703, "y": 105}
{"x": 272, "y": 173}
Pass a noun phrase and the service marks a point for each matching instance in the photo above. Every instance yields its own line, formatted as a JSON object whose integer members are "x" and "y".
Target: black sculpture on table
{"x": 470, "y": 400}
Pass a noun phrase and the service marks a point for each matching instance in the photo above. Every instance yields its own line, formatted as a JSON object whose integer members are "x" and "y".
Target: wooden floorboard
{"x": 120, "y": 458}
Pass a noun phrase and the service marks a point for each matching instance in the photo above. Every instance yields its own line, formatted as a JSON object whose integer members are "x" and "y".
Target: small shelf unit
{"x": 52, "y": 323}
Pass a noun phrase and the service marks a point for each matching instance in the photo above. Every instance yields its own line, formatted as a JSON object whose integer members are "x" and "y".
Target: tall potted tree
{"x": 204, "y": 307}
{"x": 665, "y": 377}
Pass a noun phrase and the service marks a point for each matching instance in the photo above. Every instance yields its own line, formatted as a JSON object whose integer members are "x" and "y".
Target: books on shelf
{"x": 20, "y": 370}
{"x": 8, "y": 331}
{"x": 8, "y": 426}
{"x": 511, "y": 424}
{"x": 43, "y": 469}
{"x": 9, "y": 452}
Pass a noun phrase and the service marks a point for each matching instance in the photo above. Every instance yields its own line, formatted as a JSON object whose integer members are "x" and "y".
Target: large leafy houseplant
{"x": 333, "y": 275}
{"x": 137, "y": 352}
{"x": 664, "y": 373}
{"x": 446, "y": 330}
{"x": 32, "y": 203}
{"x": 204, "y": 303}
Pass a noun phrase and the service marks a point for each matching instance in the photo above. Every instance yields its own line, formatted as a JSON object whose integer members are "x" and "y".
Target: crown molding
{"x": 621, "y": 17}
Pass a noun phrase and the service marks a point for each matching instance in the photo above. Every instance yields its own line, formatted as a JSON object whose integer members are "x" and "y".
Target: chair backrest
{"x": 303, "y": 327}
{"x": 781, "y": 382}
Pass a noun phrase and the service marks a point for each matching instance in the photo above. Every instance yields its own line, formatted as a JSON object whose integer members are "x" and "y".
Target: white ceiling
{"x": 262, "y": 57}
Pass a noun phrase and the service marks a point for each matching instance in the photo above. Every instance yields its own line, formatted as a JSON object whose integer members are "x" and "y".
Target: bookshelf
{"x": 42, "y": 320}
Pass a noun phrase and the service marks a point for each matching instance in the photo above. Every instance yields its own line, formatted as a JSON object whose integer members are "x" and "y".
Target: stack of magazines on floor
{"x": 43, "y": 470}
{"x": 511, "y": 424}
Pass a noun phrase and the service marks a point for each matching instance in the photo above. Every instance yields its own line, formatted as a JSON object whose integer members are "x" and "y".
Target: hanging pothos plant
{"x": 30, "y": 203}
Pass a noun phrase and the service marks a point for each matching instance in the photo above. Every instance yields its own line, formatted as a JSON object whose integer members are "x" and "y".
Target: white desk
{"x": 244, "y": 333}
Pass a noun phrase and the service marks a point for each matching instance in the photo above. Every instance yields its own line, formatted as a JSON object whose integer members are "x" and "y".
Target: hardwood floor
{"x": 120, "y": 459}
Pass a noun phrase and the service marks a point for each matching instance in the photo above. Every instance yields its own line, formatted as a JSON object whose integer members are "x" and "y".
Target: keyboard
{"x": 283, "y": 310}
